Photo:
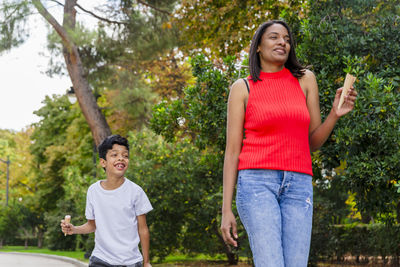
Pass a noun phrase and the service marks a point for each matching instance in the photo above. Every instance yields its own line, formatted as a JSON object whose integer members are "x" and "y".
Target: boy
{"x": 116, "y": 211}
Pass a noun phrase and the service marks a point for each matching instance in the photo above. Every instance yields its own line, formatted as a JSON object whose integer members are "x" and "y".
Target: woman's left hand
{"x": 348, "y": 103}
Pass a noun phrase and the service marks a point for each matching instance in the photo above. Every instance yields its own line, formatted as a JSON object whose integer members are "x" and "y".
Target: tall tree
{"x": 129, "y": 32}
{"x": 86, "y": 99}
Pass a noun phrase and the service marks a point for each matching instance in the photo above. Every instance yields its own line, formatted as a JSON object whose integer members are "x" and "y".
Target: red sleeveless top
{"x": 276, "y": 125}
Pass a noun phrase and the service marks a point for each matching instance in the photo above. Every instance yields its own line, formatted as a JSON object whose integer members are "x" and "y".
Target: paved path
{"x": 14, "y": 259}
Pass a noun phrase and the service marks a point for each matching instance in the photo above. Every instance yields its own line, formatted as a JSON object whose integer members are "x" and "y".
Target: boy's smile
{"x": 120, "y": 166}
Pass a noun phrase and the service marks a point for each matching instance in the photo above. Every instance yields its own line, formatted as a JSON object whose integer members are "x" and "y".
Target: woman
{"x": 277, "y": 107}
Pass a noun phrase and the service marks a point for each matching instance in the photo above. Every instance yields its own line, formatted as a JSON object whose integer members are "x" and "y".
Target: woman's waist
{"x": 277, "y": 157}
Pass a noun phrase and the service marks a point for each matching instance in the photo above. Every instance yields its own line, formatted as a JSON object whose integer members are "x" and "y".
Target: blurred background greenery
{"x": 159, "y": 72}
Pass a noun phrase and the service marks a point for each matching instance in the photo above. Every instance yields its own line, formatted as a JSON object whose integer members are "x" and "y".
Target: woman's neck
{"x": 272, "y": 67}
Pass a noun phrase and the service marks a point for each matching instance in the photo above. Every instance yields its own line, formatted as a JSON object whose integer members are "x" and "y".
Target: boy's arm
{"x": 87, "y": 228}
{"x": 144, "y": 236}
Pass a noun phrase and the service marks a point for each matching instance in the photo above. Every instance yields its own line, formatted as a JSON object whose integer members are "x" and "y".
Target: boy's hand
{"x": 147, "y": 264}
{"x": 67, "y": 228}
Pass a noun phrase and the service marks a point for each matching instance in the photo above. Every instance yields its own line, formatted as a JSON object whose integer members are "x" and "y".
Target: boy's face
{"x": 117, "y": 160}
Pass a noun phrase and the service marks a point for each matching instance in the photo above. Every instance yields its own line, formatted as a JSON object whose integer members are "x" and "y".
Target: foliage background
{"x": 162, "y": 79}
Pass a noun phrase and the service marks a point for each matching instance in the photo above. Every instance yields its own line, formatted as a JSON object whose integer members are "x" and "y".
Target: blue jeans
{"x": 96, "y": 262}
{"x": 276, "y": 209}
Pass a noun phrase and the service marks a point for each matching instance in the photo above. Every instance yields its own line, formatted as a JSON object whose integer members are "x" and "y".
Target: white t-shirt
{"x": 115, "y": 211}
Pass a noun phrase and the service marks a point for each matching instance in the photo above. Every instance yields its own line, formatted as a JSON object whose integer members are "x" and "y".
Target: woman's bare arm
{"x": 234, "y": 138}
{"x": 318, "y": 131}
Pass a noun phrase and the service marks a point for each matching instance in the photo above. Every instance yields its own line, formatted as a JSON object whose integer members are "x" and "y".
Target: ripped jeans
{"x": 276, "y": 209}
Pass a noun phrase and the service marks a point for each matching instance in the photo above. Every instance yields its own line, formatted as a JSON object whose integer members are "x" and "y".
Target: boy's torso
{"x": 115, "y": 211}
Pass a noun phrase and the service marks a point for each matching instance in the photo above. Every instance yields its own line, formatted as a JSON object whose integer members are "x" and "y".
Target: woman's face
{"x": 274, "y": 46}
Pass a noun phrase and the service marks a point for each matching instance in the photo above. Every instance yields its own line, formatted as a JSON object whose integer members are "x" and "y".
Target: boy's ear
{"x": 103, "y": 162}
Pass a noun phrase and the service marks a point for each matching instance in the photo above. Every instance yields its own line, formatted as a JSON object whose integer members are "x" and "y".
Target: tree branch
{"x": 16, "y": 9}
{"x": 53, "y": 22}
{"x": 101, "y": 18}
{"x": 69, "y": 20}
{"x": 59, "y": 3}
{"x": 93, "y": 14}
{"x": 27, "y": 186}
{"x": 153, "y": 7}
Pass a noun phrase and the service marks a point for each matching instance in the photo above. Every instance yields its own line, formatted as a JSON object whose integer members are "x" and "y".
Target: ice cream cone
{"x": 348, "y": 82}
{"x": 67, "y": 219}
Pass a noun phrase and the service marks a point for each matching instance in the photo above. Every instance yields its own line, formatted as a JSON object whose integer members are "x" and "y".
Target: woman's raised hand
{"x": 348, "y": 104}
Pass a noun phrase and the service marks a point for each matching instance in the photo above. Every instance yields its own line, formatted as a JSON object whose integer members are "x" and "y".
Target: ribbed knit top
{"x": 276, "y": 125}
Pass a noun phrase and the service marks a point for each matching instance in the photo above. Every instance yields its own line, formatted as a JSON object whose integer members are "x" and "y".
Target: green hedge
{"x": 334, "y": 242}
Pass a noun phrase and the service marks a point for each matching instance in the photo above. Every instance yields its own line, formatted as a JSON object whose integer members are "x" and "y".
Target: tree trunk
{"x": 1, "y": 243}
{"x": 40, "y": 239}
{"x": 365, "y": 218}
{"x": 87, "y": 102}
{"x": 26, "y": 243}
{"x": 96, "y": 120}
{"x": 398, "y": 212}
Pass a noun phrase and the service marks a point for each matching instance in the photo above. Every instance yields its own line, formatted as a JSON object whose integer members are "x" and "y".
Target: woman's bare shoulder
{"x": 308, "y": 79}
{"x": 239, "y": 83}
{"x": 239, "y": 87}
{"x": 308, "y": 75}
{"x": 308, "y": 83}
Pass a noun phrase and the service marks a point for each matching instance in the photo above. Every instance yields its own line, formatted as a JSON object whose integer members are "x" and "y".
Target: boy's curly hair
{"x": 108, "y": 143}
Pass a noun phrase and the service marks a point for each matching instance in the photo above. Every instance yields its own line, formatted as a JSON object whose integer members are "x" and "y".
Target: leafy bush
{"x": 358, "y": 240}
{"x": 184, "y": 187}
{"x": 54, "y": 238}
{"x": 347, "y": 36}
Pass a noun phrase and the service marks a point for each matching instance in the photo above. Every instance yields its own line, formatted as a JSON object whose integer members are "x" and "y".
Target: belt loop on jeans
{"x": 283, "y": 182}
